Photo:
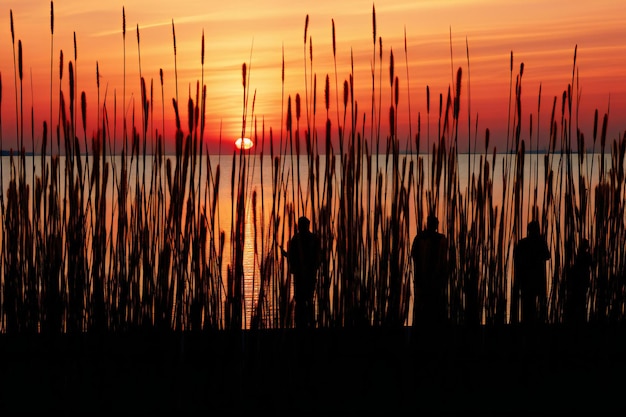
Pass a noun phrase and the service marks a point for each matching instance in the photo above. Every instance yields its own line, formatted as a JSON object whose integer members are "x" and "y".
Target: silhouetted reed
{"x": 107, "y": 240}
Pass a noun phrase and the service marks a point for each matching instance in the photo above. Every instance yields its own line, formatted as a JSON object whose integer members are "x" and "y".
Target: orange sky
{"x": 542, "y": 35}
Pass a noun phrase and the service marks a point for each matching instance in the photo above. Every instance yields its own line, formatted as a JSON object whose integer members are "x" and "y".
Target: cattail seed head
{"x": 243, "y": 74}
{"x": 174, "y": 36}
{"x": 175, "y": 104}
{"x": 12, "y": 29}
{"x": 288, "y": 122}
{"x": 374, "y": 24}
{"x": 161, "y": 75}
{"x": 297, "y": 106}
{"x": 19, "y": 55}
{"x": 202, "y": 49}
{"x": 306, "y": 27}
{"x": 61, "y": 66}
{"x": 123, "y": 23}
{"x": 327, "y": 93}
{"x": 52, "y": 17}
{"x": 345, "y": 93}
{"x": 75, "y": 48}
{"x": 83, "y": 108}
{"x": 70, "y": 71}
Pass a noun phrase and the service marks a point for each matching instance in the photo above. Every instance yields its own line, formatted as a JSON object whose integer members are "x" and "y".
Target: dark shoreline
{"x": 509, "y": 368}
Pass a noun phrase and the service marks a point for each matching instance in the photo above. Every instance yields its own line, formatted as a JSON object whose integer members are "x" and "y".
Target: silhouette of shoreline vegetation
{"x": 87, "y": 249}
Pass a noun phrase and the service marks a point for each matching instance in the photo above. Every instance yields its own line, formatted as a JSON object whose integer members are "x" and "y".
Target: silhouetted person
{"x": 530, "y": 257}
{"x": 577, "y": 285}
{"x": 430, "y": 267}
{"x": 303, "y": 255}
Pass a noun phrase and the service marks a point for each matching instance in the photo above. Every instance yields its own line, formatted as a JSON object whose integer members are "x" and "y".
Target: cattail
{"x": 345, "y": 93}
{"x": 306, "y": 27}
{"x": 511, "y": 65}
{"x": 521, "y": 69}
{"x": 428, "y": 99}
{"x": 391, "y": 121}
{"x": 175, "y": 104}
{"x": 61, "y": 65}
{"x": 12, "y": 30}
{"x": 83, "y": 108}
{"x": 174, "y": 36}
{"x": 123, "y": 23}
{"x": 75, "y": 48}
{"x": 19, "y": 58}
{"x": 97, "y": 75}
{"x": 297, "y": 106}
{"x": 44, "y": 140}
{"x": 311, "y": 48}
{"x": 243, "y": 74}
{"x": 190, "y": 114}
{"x": 70, "y": 71}
{"x": 327, "y": 93}
{"x": 374, "y": 24}
{"x": 202, "y": 49}
{"x": 52, "y": 17}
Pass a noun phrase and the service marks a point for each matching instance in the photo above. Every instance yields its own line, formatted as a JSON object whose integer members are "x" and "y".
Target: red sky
{"x": 439, "y": 35}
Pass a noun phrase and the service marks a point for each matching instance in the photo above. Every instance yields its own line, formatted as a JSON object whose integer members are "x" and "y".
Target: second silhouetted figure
{"x": 430, "y": 265}
{"x": 530, "y": 257}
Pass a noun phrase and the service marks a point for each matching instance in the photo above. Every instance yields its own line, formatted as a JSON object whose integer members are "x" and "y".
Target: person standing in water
{"x": 430, "y": 267}
{"x": 530, "y": 257}
{"x": 304, "y": 256}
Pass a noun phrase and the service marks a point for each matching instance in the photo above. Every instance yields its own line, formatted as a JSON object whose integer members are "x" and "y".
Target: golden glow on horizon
{"x": 439, "y": 36}
{"x": 244, "y": 143}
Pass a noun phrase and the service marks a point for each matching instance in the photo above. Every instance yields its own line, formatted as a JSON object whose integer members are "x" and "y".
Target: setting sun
{"x": 244, "y": 143}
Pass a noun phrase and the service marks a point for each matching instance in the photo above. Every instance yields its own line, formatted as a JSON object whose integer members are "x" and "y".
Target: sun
{"x": 244, "y": 143}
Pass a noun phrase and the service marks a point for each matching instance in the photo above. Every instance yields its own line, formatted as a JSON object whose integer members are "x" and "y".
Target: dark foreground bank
{"x": 453, "y": 369}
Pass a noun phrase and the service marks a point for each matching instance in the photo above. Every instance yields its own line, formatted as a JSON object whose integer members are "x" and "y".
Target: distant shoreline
{"x": 511, "y": 152}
